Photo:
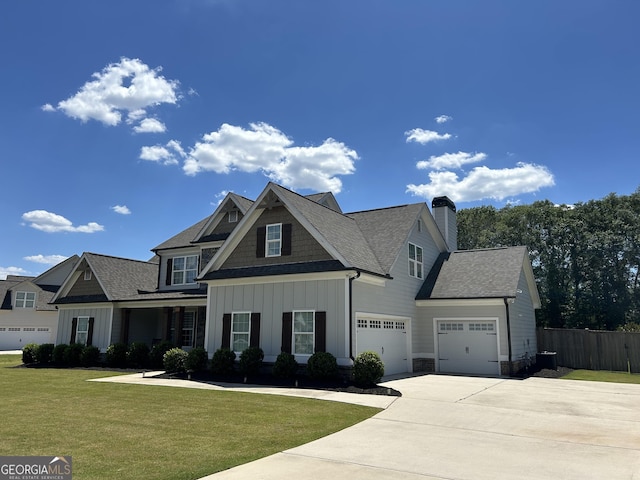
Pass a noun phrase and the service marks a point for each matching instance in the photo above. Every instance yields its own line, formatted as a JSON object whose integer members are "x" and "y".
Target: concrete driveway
{"x": 454, "y": 427}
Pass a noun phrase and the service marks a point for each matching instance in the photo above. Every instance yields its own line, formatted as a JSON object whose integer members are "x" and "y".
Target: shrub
{"x": 90, "y": 356}
{"x": 58, "y": 354}
{"x": 322, "y": 366}
{"x": 286, "y": 366}
{"x": 222, "y": 362}
{"x": 138, "y": 355}
{"x": 45, "y": 353}
{"x": 197, "y": 360}
{"x": 251, "y": 361}
{"x": 30, "y": 353}
{"x": 368, "y": 369}
{"x": 117, "y": 355}
{"x": 71, "y": 354}
{"x": 156, "y": 356}
{"x": 174, "y": 360}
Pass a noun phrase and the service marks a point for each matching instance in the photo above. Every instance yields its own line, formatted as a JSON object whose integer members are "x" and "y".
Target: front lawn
{"x": 603, "y": 376}
{"x": 117, "y": 431}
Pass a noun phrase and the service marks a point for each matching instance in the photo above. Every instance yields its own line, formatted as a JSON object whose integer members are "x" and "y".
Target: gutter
{"x": 506, "y": 307}
{"x": 351, "y": 279}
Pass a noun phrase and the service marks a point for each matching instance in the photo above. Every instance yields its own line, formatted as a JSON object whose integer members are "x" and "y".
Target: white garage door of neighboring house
{"x": 15, "y": 338}
{"x": 388, "y": 337}
{"x": 468, "y": 346}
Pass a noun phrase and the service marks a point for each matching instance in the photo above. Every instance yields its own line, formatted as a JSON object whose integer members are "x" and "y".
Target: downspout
{"x": 506, "y": 307}
{"x": 351, "y": 279}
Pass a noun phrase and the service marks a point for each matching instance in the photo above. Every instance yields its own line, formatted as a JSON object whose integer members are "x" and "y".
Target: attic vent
{"x": 233, "y": 216}
{"x": 87, "y": 274}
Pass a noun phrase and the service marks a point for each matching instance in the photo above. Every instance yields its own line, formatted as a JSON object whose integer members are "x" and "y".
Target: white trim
{"x": 268, "y": 242}
{"x": 460, "y": 302}
{"x": 302, "y": 356}
{"x": 296, "y": 277}
{"x": 242, "y": 312}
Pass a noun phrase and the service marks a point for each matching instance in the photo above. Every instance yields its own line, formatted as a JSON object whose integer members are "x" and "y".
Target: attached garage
{"x": 15, "y": 338}
{"x": 387, "y": 336}
{"x": 468, "y": 346}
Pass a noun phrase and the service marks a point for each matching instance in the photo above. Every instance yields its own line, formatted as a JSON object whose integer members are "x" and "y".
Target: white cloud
{"x": 51, "y": 222}
{"x": 167, "y": 154}
{"x": 425, "y": 136}
{"x": 150, "y": 125}
{"x": 483, "y": 182}
{"x": 264, "y": 148}
{"x": 443, "y": 118}
{"x": 46, "y": 259}
{"x": 451, "y": 160}
{"x": 4, "y": 271}
{"x": 121, "y": 209}
{"x": 126, "y": 86}
{"x": 47, "y": 107}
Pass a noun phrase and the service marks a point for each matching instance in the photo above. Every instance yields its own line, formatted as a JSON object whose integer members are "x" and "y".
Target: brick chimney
{"x": 444, "y": 213}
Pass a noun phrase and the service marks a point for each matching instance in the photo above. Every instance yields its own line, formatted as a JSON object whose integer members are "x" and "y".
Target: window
{"x": 274, "y": 240}
{"x": 415, "y": 261}
{"x": 303, "y": 332}
{"x": 233, "y": 216}
{"x": 187, "y": 329}
{"x": 25, "y": 299}
{"x": 82, "y": 330}
{"x": 87, "y": 274}
{"x": 185, "y": 270}
{"x": 240, "y": 331}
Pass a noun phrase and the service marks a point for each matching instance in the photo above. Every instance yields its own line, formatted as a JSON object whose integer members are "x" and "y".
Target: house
{"x": 25, "y": 313}
{"x": 293, "y": 273}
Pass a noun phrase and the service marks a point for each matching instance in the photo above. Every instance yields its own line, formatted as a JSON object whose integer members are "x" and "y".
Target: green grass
{"x": 117, "y": 431}
{"x": 603, "y": 376}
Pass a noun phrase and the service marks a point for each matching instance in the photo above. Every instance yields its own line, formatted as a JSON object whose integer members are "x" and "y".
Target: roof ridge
{"x": 386, "y": 208}
{"x": 305, "y": 197}
{"x": 119, "y": 258}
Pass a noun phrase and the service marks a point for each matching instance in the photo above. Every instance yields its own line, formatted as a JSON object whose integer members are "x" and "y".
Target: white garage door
{"x": 15, "y": 338}
{"x": 468, "y": 346}
{"x": 388, "y": 338}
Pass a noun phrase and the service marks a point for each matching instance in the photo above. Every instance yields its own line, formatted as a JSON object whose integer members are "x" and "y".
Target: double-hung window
{"x": 273, "y": 246}
{"x": 185, "y": 270}
{"x": 240, "y": 331}
{"x": 82, "y": 330}
{"x": 25, "y": 299}
{"x": 303, "y": 332}
{"x": 415, "y": 261}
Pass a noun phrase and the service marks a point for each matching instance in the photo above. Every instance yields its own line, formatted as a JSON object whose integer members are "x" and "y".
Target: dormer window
{"x": 233, "y": 216}
{"x": 274, "y": 240}
{"x": 25, "y": 299}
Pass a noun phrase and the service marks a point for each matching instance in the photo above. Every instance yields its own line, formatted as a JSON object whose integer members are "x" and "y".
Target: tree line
{"x": 585, "y": 256}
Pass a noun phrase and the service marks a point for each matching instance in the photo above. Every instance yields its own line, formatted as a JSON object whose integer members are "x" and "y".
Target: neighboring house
{"x": 294, "y": 273}
{"x": 25, "y": 313}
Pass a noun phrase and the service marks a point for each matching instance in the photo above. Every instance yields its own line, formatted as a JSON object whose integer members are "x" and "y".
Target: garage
{"x": 15, "y": 338}
{"x": 468, "y": 346}
{"x": 386, "y": 336}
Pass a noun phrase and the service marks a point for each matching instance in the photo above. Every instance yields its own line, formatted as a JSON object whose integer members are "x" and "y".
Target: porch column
{"x": 179, "y": 325}
{"x": 166, "y": 323}
{"x": 124, "y": 332}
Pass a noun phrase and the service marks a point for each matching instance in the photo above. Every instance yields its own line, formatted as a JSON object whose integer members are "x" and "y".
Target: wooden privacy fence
{"x": 592, "y": 349}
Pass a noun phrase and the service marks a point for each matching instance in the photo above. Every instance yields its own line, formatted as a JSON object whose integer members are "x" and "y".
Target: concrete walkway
{"x": 455, "y": 427}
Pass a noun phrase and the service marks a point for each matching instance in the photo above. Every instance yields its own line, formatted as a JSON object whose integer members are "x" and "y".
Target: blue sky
{"x": 122, "y": 123}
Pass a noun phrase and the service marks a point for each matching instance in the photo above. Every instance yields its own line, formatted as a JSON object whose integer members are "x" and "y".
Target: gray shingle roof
{"x": 44, "y": 292}
{"x": 488, "y": 273}
{"x": 184, "y": 238}
{"x": 122, "y": 278}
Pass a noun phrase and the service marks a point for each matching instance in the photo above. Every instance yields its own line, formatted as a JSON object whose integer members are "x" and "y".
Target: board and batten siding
{"x": 271, "y": 300}
{"x": 523, "y": 322}
{"x": 101, "y": 325}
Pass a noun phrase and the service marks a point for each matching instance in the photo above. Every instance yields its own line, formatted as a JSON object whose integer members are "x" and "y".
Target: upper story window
{"x": 25, "y": 299}
{"x": 185, "y": 270}
{"x": 415, "y": 261}
{"x": 274, "y": 240}
{"x": 233, "y": 216}
{"x": 87, "y": 274}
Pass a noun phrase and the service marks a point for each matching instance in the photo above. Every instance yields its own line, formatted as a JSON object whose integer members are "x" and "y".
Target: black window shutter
{"x": 286, "y": 239}
{"x": 287, "y": 331}
{"x": 226, "y": 331}
{"x": 169, "y": 278}
{"x": 254, "y": 336}
{"x": 90, "y": 331}
{"x": 260, "y": 242}
{"x": 321, "y": 332}
{"x": 74, "y": 327}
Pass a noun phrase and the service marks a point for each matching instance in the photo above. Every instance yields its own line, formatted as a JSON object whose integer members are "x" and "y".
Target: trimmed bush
{"x": 286, "y": 366}
{"x": 251, "y": 361}
{"x": 322, "y": 366}
{"x": 71, "y": 354}
{"x": 197, "y": 360}
{"x": 156, "y": 356}
{"x": 45, "y": 353}
{"x": 138, "y": 355}
{"x": 368, "y": 369}
{"x": 58, "y": 354}
{"x": 174, "y": 360}
{"x": 30, "y": 353}
{"x": 117, "y": 355}
{"x": 90, "y": 356}
{"x": 223, "y": 361}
